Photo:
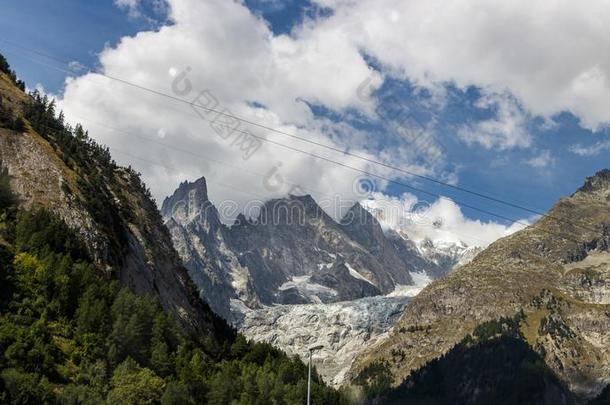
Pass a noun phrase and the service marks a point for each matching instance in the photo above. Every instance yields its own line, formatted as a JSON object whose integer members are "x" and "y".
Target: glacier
{"x": 343, "y": 328}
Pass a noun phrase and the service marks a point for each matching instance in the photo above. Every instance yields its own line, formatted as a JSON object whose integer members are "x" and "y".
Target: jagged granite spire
{"x": 187, "y": 201}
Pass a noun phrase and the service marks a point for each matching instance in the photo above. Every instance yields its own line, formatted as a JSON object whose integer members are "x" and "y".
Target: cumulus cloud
{"x": 441, "y": 220}
{"x": 508, "y": 128}
{"x": 547, "y": 54}
{"x": 543, "y": 159}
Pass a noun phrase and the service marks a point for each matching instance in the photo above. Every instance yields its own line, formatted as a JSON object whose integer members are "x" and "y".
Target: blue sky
{"x": 78, "y": 30}
{"x": 67, "y": 29}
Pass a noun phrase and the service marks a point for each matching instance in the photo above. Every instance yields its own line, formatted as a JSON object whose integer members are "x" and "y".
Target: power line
{"x": 227, "y": 186}
{"x": 563, "y": 236}
{"x": 242, "y": 191}
{"x": 300, "y": 138}
{"x": 380, "y": 177}
{"x": 197, "y": 155}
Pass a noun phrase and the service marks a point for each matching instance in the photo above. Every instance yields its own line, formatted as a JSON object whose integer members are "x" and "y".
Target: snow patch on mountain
{"x": 354, "y": 273}
{"x": 445, "y": 253}
{"x": 314, "y": 292}
{"x": 421, "y": 280}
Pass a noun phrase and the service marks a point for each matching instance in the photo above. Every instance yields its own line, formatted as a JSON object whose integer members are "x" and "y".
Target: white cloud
{"x": 542, "y": 160}
{"x": 76, "y": 67}
{"x": 440, "y": 221}
{"x": 131, "y": 5}
{"x": 592, "y": 150}
{"x": 528, "y": 58}
{"x": 548, "y": 54}
{"x": 134, "y": 8}
{"x": 232, "y": 53}
{"x": 506, "y": 130}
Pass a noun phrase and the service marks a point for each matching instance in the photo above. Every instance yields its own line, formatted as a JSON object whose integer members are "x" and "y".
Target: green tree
{"x": 132, "y": 328}
{"x": 26, "y": 388}
{"x": 132, "y": 384}
{"x": 80, "y": 395}
{"x": 93, "y": 313}
{"x": 165, "y": 339}
{"x": 6, "y": 271}
{"x": 225, "y": 384}
{"x": 7, "y": 198}
{"x": 177, "y": 393}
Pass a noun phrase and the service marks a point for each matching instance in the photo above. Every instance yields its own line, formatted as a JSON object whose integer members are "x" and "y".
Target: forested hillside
{"x": 73, "y": 329}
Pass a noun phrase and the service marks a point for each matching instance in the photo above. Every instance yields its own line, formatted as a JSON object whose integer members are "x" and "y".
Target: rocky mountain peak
{"x": 190, "y": 201}
{"x": 363, "y": 227}
{"x": 241, "y": 220}
{"x": 291, "y": 210}
{"x": 596, "y": 183}
{"x": 306, "y": 199}
{"x": 359, "y": 217}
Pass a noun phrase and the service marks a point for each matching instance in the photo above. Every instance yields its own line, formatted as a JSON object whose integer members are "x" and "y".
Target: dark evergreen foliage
{"x": 7, "y": 198}
{"x": 5, "y": 68}
{"x": 376, "y": 379}
{"x": 70, "y": 334}
{"x": 9, "y": 118}
{"x": 493, "y": 366}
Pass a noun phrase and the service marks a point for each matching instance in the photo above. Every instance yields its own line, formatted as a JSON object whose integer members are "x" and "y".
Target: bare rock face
{"x": 294, "y": 277}
{"x": 555, "y": 271}
{"x": 202, "y": 241}
{"x": 292, "y": 253}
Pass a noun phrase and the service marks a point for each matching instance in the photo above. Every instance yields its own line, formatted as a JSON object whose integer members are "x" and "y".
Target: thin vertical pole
{"x": 309, "y": 382}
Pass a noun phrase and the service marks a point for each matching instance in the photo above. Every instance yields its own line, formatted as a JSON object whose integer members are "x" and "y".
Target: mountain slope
{"x": 95, "y": 305}
{"x": 292, "y": 253}
{"x": 107, "y": 205}
{"x": 556, "y": 271}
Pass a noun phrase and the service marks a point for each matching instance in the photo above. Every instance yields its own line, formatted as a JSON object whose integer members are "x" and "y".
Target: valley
{"x": 294, "y": 277}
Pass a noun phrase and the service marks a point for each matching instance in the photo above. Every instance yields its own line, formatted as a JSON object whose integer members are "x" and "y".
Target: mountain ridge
{"x": 542, "y": 270}
{"x": 292, "y": 252}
